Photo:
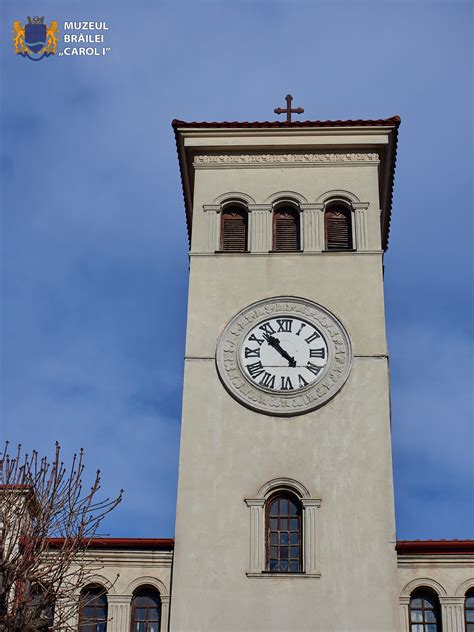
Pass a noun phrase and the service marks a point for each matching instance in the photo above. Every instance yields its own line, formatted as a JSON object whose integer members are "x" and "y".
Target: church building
{"x": 285, "y": 511}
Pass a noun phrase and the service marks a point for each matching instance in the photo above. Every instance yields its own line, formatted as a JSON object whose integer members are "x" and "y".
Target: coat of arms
{"x": 35, "y": 40}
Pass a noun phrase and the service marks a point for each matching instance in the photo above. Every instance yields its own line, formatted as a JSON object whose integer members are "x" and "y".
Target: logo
{"x": 35, "y": 40}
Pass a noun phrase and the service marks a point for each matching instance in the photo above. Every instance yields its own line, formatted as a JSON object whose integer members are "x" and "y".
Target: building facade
{"x": 285, "y": 513}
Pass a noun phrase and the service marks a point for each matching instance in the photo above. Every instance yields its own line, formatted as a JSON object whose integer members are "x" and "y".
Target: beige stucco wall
{"x": 449, "y": 576}
{"x": 121, "y": 572}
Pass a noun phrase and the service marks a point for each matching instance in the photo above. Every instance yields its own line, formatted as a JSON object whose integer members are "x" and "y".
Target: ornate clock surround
{"x": 288, "y": 403}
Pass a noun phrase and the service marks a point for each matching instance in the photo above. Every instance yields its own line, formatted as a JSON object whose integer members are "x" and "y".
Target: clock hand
{"x": 275, "y": 343}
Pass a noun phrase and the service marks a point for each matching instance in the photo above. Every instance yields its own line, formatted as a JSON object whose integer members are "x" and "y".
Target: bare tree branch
{"x": 47, "y": 522}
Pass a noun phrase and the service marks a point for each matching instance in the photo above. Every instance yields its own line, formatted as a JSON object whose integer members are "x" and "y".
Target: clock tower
{"x": 285, "y": 516}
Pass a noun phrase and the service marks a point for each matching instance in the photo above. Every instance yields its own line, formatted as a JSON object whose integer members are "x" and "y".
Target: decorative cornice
{"x": 295, "y": 159}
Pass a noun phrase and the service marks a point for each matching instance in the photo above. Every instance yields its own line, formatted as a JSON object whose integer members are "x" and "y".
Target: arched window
{"x": 93, "y": 609}
{"x": 146, "y": 610}
{"x": 234, "y": 231}
{"x": 41, "y": 607}
{"x": 425, "y": 612}
{"x": 469, "y": 610}
{"x": 284, "y": 533}
{"x": 286, "y": 230}
{"x": 338, "y": 228}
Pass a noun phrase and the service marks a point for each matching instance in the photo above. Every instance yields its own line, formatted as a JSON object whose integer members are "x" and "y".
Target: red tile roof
{"x": 122, "y": 543}
{"x": 435, "y": 547}
{"x": 392, "y": 121}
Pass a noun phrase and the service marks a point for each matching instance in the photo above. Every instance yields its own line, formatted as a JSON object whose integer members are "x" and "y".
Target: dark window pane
{"x": 415, "y": 603}
{"x": 294, "y": 566}
{"x": 416, "y": 616}
{"x": 273, "y": 565}
{"x": 293, "y": 508}
{"x": 431, "y": 628}
{"x": 470, "y": 627}
{"x": 470, "y": 616}
{"x": 274, "y": 508}
{"x": 470, "y": 601}
{"x": 430, "y": 616}
{"x": 278, "y": 543}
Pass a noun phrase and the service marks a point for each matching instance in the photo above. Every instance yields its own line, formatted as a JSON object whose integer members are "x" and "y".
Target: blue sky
{"x": 94, "y": 247}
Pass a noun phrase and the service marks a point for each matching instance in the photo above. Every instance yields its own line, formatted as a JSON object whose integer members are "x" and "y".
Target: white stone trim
{"x": 260, "y": 227}
{"x": 283, "y": 483}
{"x": 338, "y": 194}
{"x": 423, "y": 582}
{"x": 234, "y": 196}
{"x": 452, "y": 614}
{"x": 311, "y": 540}
{"x": 312, "y": 227}
{"x": 359, "y": 225}
{"x": 148, "y": 580}
{"x": 464, "y": 587}
{"x": 212, "y": 227}
{"x": 119, "y": 612}
{"x": 405, "y": 614}
{"x": 92, "y": 580}
{"x": 286, "y": 196}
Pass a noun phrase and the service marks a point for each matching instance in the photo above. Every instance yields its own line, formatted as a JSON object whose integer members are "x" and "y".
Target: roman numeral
{"x": 313, "y": 368}
{"x": 301, "y": 381}
{"x": 313, "y": 336}
{"x": 286, "y": 384}
{"x": 300, "y": 329}
{"x": 267, "y": 328}
{"x": 317, "y": 353}
{"x": 254, "y": 338}
{"x": 252, "y": 353}
{"x": 268, "y": 380}
{"x": 284, "y": 324}
{"x": 255, "y": 369}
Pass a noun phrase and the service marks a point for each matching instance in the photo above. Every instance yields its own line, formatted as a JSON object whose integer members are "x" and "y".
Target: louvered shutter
{"x": 286, "y": 231}
{"x": 234, "y": 232}
{"x": 338, "y": 229}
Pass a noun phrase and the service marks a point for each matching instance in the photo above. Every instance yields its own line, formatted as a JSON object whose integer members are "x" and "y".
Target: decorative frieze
{"x": 202, "y": 161}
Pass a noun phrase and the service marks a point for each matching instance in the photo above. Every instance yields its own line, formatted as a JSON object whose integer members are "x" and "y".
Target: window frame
{"x": 243, "y": 212}
{"x": 276, "y": 497}
{"x": 136, "y": 593}
{"x": 468, "y": 595}
{"x": 101, "y": 591}
{"x": 347, "y": 210}
{"x": 422, "y": 593}
{"x": 296, "y": 213}
{"x": 310, "y": 543}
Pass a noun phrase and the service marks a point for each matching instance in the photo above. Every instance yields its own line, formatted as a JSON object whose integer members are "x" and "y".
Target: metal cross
{"x": 288, "y": 110}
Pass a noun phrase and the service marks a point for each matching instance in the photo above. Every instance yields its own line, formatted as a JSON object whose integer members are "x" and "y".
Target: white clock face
{"x": 283, "y": 356}
{"x": 283, "y": 353}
